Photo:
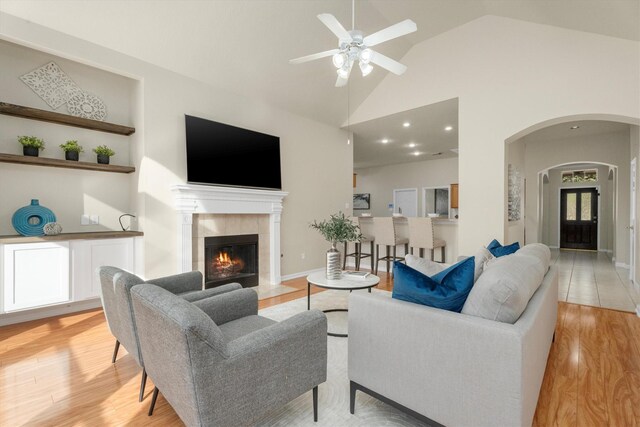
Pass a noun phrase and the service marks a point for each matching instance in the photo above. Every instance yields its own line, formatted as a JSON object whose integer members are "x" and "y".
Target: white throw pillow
{"x": 504, "y": 289}
{"x": 424, "y": 266}
{"x": 482, "y": 257}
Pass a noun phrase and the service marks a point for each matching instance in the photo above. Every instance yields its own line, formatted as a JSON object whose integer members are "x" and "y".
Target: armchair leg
{"x": 153, "y": 400}
{"x": 315, "y": 404}
{"x": 115, "y": 352}
{"x": 142, "y": 384}
{"x": 352, "y": 397}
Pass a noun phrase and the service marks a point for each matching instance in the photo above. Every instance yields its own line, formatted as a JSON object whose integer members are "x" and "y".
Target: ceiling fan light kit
{"x": 354, "y": 47}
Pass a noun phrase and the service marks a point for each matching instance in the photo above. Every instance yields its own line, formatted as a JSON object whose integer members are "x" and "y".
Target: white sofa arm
{"x": 453, "y": 368}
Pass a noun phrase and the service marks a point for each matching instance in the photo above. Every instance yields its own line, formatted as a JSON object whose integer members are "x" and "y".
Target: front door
{"x": 579, "y": 218}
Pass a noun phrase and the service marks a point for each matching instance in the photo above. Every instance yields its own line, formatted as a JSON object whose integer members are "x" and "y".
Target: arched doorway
{"x": 541, "y": 154}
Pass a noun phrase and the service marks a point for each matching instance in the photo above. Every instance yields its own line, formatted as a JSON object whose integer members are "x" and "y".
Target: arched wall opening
{"x": 606, "y": 141}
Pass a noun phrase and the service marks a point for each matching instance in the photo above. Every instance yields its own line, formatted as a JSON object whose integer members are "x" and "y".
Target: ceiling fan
{"x": 354, "y": 46}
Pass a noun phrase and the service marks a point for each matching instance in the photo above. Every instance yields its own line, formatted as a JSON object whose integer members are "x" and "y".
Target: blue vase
{"x": 30, "y": 220}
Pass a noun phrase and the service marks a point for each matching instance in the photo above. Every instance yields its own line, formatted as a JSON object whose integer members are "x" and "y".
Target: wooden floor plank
{"x": 58, "y": 372}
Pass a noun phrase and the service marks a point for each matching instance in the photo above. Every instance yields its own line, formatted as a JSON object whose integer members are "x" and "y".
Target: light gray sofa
{"x": 115, "y": 293}
{"x": 452, "y": 368}
{"x": 220, "y": 364}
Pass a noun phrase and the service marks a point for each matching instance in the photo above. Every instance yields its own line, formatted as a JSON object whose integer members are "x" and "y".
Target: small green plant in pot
{"x": 104, "y": 153}
{"x": 71, "y": 150}
{"x": 31, "y": 145}
{"x": 338, "y": 228}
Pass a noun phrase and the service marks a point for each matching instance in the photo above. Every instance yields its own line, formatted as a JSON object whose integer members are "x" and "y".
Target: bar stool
{"x": 384, "y": 233}
{"x": 358, "y": 254}
{"x": 421, "y": 237}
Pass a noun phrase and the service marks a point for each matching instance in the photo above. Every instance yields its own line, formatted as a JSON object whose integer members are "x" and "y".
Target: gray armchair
{"x": 116, "y": 287}
{"x": 218, "y": 363}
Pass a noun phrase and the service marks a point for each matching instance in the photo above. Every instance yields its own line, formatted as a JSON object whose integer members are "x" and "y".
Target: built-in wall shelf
{"x": 59, "y": 163}
{"x": 63, "y": 119}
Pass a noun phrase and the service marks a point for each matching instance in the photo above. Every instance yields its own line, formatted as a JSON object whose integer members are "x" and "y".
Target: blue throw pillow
{"x": 447, "y": 290}
{"x": 494, "y": 244}
{"x": 504, "y": 250}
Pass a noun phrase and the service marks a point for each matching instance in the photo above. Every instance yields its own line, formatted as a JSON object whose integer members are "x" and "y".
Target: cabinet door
{"x": 88, "y": 255}
{"x": 454, "y": 196}
{"x": 35, "y": 274}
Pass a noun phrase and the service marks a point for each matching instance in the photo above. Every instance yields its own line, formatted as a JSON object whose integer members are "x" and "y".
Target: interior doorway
{"x": 632, "y": 221}
{"x": 579, "y": 218}
{"x": 405, "y": 201}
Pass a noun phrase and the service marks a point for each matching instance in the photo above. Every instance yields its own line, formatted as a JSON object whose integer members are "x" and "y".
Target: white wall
{"x": 316, "y": 160}
{"x": 380, "y": 181}
{"x": 612, "y": 149}
{"x": 508, "y": 75}
{"x": 68, "y": 193}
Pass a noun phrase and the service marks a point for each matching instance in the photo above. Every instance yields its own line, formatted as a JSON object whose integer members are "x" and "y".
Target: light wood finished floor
{"x": 58, "y": 371}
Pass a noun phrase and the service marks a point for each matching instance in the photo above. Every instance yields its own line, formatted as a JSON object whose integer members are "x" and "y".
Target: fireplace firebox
{"x": 231, "y": 259}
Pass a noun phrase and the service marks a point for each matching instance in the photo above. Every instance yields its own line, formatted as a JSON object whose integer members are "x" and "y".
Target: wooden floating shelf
{"x": 63, "y": 119}
{"x": 71, "y": 236}
{"x": 59, "y": 163}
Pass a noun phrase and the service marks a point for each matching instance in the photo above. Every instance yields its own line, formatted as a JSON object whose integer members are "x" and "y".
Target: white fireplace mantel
{"x": 193, "y": 199}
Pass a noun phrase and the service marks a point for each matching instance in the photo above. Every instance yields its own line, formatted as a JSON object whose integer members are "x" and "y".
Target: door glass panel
{"x": 585, "y": 207}
{"x": 571, "y": 207}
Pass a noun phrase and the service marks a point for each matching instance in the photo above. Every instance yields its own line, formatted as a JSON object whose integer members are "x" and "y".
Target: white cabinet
{"x": 35, "y": 274}
{"x": 41, "y": 278}
{"x": 88, "y": 255}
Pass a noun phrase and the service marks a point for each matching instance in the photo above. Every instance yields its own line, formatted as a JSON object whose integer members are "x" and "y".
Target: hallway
{"x": 590, "y": 278}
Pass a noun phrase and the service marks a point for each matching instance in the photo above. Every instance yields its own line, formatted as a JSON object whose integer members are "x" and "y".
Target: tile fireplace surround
{"x": 205, "y": 211}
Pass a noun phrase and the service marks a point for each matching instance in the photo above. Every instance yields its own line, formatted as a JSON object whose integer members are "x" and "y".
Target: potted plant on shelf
{"x": 31, "y": 145}
{"x": 104, "y": 153}
{"x": 71, "y": 150}
{"x": 337, "y": 228}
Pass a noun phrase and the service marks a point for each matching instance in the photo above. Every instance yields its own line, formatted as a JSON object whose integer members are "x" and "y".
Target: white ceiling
{"x": 244, "y": 45}
{"x": 427, "y": 132}
{"x": 586, "y": 128}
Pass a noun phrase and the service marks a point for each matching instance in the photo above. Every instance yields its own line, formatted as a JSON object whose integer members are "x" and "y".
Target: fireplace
{"x": 231, "y": 259}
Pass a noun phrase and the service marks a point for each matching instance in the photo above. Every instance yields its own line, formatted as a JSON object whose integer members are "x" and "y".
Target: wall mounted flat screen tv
{"x": 221, "y": 154}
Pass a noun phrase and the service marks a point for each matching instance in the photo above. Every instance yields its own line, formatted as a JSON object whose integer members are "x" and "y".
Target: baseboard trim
{"x": 300, "y": 274}
{"x": 638, "y": 310}
{"x": 553, "y": 247}
{"x": 354, "y": 386}
{"x": 622, "y": 264}
{"x": 49, "y": 311}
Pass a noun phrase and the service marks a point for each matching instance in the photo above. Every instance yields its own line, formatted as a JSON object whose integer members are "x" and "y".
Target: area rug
{"x": 333, "y": 395}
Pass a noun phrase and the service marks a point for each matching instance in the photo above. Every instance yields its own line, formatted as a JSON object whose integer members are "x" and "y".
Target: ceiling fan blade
{"x": 388, "y": 64}
{"x": 400, "y": 29}
{"x": 335, "y": 26}
{"x": 314, "y": 56}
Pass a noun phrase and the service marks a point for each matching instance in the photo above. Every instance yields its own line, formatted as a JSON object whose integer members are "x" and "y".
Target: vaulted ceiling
{"x": 244, "y": 46}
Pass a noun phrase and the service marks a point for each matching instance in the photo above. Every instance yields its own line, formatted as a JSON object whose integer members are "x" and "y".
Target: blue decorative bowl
{"x": 30, "y": 220}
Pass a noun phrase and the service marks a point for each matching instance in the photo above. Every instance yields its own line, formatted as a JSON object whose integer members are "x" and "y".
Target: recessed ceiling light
{"x": 448, "y": 128}
{"x": 384, "y": 141}
{"x": 412, "y": 145}
{"x": 575, "y": 127}
{"x": 416, "y": 153}
{"x": 406, "y": 124}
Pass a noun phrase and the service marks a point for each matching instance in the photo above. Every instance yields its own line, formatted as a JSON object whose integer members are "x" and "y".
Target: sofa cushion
{"x": 494, "y": 244}
{"x": 447, "y": 290}
{"x": 504, "y": 289}
{"x": 424, "y": 265}
{"x": 539, "y": 251}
